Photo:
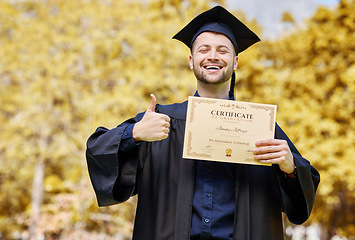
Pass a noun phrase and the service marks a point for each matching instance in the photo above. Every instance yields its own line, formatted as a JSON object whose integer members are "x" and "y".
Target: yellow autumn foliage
{"x": 67, "y": 67}
{"x": 310, "y": 76}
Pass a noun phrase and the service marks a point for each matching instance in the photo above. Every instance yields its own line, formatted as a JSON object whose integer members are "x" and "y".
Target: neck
{"x": 220, "y": 91}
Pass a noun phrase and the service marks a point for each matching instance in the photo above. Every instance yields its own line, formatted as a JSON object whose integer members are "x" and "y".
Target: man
{"x": 193, "y": 199}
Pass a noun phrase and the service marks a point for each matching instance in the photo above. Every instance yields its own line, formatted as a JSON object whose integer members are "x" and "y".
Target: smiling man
{"x": 181, "y": 199}
{"x": 213, "y": 60}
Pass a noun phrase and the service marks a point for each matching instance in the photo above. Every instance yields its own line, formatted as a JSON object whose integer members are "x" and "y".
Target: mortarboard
{"x": 218, "y": 20}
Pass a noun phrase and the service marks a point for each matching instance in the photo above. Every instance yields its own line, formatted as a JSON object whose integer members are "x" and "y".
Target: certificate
{"x": 225, "y": 130}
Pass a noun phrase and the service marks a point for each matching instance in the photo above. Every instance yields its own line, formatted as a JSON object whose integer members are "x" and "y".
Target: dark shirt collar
{"x": 231, "y": 95}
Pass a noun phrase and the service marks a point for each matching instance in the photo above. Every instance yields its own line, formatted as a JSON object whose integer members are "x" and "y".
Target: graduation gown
{"x": 164, "y": 182}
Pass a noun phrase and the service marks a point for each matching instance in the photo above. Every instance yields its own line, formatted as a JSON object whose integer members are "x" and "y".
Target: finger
{"x": 267, "y": 149}
{"x": 153, "y": 102}
{"x": 278, "y": 160}
{"x": 166, "y": 130}
{"x": 268, "y": 142}
{"x": 167, "y": 118}
{"x": 165, "y": 136}
{"x": 167, "y": 125}
{"x": 269, "y": 156}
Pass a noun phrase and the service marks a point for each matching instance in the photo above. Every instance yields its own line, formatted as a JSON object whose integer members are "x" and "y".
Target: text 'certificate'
{"x": 225, "y": 130}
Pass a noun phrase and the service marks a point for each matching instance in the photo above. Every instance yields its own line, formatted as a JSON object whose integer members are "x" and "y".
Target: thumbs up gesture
{"x": 153, "y": 126}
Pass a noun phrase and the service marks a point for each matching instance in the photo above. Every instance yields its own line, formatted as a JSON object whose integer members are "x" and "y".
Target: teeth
{"x": 212, "y": 68}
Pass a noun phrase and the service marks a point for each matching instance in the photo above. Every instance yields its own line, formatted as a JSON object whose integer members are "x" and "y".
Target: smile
{"x": 213, "y": 67}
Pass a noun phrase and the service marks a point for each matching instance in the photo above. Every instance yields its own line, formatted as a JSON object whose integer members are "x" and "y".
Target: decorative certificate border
{"x": 267, "y": 108}
{"x": 194, "y": 102}
{"x": 195, "y": 154}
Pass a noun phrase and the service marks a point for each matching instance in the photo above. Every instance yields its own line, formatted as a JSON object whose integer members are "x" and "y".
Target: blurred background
{"x": 67, "y": 67}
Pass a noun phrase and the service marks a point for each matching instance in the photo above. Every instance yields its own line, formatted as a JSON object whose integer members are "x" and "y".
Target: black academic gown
{"x": 164, "y": 182}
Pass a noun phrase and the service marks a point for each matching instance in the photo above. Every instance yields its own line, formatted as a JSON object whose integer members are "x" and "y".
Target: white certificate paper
{"x": 225, "y": 130}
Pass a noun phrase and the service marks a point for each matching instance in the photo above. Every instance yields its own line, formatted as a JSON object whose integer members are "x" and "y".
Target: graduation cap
{"x": 218, "y": 20}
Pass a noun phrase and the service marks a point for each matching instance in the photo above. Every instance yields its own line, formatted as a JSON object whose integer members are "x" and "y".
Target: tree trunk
{"x": 37, "y": 196}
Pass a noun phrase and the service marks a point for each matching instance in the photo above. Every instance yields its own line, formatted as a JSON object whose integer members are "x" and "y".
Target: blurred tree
{"x": 310, "y": 76}
{"x": 67, "y": 67}
{"x": 287, "y": 17}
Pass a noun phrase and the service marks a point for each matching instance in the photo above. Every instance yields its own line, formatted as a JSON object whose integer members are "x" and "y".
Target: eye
{"x": 203, "y": 50}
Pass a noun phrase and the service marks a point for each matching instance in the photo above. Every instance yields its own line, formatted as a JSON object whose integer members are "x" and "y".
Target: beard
{"x": 208, "y": 78}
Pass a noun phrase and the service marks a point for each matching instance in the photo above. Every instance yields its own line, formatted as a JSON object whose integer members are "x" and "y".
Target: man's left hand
{"x": 275, "y": 151}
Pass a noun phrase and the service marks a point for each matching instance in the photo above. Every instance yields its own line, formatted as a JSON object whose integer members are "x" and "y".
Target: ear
{"x": 235, "y": 63}
{"x": 191, "y": 62}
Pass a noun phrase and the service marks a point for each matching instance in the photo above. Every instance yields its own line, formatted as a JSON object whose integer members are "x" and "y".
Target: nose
{"x": 213, "y": 56}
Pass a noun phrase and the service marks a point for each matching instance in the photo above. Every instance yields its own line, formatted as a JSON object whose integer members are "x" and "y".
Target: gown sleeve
{"x": 113, "y": 171}
{"x": 298, "y": 194}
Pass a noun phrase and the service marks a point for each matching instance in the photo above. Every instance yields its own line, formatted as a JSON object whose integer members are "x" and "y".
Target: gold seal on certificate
{"x": 225, "y": 130}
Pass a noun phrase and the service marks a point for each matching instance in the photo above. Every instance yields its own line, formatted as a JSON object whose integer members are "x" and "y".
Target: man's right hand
{"x": 153, "y": 126}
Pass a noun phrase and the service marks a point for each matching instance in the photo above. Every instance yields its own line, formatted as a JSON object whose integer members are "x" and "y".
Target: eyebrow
{"x": 219, "y": 46}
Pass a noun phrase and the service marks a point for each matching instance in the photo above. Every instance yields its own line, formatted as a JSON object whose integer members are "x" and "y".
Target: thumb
{"x": 153, "y": 102}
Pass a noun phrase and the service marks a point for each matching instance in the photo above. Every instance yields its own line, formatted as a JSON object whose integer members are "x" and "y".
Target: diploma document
{"x": 225, "y": 130}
